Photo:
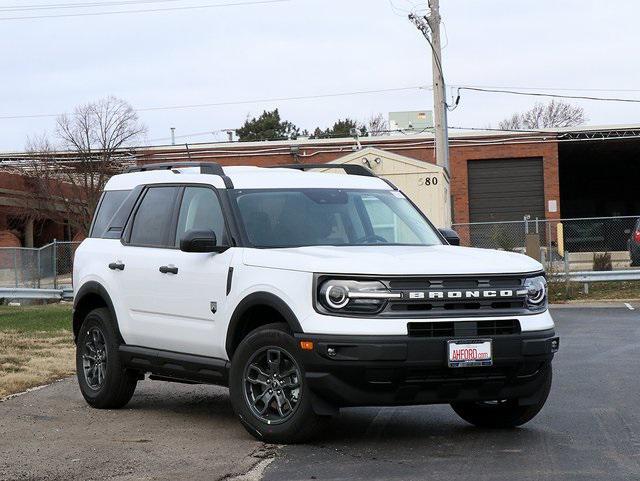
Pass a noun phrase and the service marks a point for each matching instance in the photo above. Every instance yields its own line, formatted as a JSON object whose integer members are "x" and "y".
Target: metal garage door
{"x": 506, "y": 189}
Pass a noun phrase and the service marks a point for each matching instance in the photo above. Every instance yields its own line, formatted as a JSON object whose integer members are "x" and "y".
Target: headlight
{"x": 536, "y": 292}
{"x": 347, "y": 296}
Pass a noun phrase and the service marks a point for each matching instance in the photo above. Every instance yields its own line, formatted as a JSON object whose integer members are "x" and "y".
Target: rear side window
{"x": 109, "y": 204}
{"x": 153, "y": 219}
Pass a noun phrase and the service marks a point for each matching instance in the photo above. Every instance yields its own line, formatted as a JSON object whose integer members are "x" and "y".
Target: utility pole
{"x": 430, "y": 28}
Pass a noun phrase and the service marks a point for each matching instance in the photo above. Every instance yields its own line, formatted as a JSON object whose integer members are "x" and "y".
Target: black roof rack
{"x": 205, "y": 168}
{"x": 351, "y": 169}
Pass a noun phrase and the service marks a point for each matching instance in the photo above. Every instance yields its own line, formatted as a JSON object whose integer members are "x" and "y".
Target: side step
{"x": 167, "y": 365}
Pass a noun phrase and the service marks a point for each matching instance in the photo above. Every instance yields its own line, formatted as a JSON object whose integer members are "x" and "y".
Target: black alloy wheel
{"x": 272, "y": 385}
{"x": 94, "y": 358}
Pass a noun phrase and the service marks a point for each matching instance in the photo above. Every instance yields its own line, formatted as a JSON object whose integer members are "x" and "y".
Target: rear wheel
{"x": 268, "y": 390}
{"x": 103, "y": 381}
{"x": 504, "y": 413}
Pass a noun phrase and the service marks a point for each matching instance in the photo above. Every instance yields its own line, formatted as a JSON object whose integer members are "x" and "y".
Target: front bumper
{"x": 316, "y": 323}
{"x": 405, "y": 370}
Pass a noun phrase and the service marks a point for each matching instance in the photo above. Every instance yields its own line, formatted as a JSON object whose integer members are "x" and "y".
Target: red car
{"x": 634, "y": 245}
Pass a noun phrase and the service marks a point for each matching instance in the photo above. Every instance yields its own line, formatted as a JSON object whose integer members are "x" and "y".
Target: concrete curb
{"x": 595, "y": 303}
{"x": 31, "y": 389}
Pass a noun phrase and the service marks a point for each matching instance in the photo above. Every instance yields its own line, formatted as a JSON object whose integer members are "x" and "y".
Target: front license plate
{"x": 470, "y": 353}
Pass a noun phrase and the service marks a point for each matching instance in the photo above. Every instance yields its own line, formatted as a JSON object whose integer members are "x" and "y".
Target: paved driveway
{"x": 589, "y": 430}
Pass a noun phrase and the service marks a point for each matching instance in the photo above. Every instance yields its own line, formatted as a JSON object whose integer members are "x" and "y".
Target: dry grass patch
{"x": 29, "y": 360}
{"x": 574, "y": 291}
{"x": 35, "y": 347}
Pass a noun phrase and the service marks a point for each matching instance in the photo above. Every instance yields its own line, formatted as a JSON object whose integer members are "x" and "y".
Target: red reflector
{"x": 306, "y": 345}
{"x": 636, "y": 236}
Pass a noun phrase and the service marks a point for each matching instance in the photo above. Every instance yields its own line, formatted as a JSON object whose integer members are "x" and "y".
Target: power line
{"x": 184, "y": 136}
{"x": 241, "y": 102}
{"x": 559, "y": 89}
{"x": 541, "y": 94}
{"x": 282, "y": 99}
{"x": 57, "y": 6}
{"x": 384, "y": 143}
{"x": 149, "y": 10}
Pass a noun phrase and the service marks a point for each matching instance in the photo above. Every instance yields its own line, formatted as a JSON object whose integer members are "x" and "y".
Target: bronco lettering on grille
{"x": 466, "y": 294}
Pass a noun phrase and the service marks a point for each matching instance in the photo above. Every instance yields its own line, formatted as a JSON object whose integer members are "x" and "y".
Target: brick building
{"x": 495, "y": 176}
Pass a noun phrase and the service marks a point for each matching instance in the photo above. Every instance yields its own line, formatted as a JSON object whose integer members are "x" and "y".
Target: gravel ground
{"x": 168, "y": 431}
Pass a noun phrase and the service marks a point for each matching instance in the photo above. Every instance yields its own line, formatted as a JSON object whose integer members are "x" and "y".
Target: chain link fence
{"x": 579, "y": 244}
{"x": 47, "y": 267}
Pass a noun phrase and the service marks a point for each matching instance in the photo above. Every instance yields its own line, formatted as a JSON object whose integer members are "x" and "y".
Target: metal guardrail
{"x": 600, "y": 276}
{"x": 26, "y": 293}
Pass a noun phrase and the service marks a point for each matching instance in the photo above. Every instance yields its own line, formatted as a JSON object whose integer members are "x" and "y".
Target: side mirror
{"x": 450, "y": 236}
{"x": 200, "y": 241}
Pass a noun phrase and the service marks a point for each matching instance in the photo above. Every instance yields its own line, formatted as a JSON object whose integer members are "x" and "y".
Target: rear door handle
{"x": 168, "y": 269}
{"x": 116, "y": 266}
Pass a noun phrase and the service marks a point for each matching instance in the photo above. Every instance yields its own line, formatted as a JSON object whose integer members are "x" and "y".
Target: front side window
{"x": 152, "y": 222}
{"x": 200, "y": 210}
{"x": 109, "y": 204}
{"x": 308, "y": 217}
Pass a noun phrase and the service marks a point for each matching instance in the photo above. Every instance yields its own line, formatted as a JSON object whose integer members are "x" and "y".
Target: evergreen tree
{"x": 269, "y": 126}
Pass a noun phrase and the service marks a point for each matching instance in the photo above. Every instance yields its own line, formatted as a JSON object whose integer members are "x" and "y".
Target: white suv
{"x": 303, "y": 292}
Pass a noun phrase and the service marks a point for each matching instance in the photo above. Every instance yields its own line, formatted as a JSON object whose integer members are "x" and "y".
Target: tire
{"x": 109, "y": 385}
{"x": 506, "y": 413}
{"x": 253, "y": 365}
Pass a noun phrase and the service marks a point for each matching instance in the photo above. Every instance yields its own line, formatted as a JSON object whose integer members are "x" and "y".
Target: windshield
{"x": 312, "y": 217}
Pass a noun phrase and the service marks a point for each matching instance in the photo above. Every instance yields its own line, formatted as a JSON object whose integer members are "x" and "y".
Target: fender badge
{"x": 213, "y": 306}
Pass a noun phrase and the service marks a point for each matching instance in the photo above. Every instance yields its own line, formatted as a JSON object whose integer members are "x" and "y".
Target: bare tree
{"x": 67, "y": 179}
{"x": 553, "y": 114}
{"x": 377, "y": 125}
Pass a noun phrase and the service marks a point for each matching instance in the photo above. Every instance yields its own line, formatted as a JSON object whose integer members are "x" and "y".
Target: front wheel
{"x": 268, "y": 390}
{"x": 505, "y": 413}
{"x": 104, "y": 382}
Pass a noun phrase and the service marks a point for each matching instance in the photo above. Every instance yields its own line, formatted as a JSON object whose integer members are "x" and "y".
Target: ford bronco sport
{"x": 303, "y": 292}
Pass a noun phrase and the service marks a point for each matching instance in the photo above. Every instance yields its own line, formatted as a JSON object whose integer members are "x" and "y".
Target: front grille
{"x": 424, "y": 297}
{"x": 419, "y": 375}
{"x": 498, "y": 327}
{"x": 455, "y": 306}
{"x": 494, "y": 373}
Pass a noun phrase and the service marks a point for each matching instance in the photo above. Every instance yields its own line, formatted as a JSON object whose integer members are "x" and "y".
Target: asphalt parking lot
{"x": 589, "y": 429}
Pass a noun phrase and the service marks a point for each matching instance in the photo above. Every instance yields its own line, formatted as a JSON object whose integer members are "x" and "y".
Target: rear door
{"x": 147, "y": 245}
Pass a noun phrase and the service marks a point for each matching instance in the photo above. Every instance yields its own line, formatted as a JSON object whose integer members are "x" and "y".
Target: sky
{"x": 295, "y": 48}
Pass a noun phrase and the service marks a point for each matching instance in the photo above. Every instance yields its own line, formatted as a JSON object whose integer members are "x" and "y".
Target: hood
{"x": 393, "y": 260}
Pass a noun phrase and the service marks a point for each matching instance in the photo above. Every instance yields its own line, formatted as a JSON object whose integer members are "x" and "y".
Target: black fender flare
{"x": 259, "y": 299}
{"x": 92, "y": 288}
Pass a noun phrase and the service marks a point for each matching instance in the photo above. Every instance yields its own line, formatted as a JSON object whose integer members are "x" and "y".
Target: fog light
{"x": 555, "y": 344}
{"x": 331, "y": 352}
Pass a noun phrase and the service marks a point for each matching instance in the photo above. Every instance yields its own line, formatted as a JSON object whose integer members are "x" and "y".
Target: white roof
{"x": 248, "y": 178}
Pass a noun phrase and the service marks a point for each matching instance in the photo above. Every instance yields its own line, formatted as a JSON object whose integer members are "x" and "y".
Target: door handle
{"x": 168, "y": 270}
{"x": 116, "y": 266}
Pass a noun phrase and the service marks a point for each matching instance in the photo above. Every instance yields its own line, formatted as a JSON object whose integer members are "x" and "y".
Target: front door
{"x": 172, "y": 296}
